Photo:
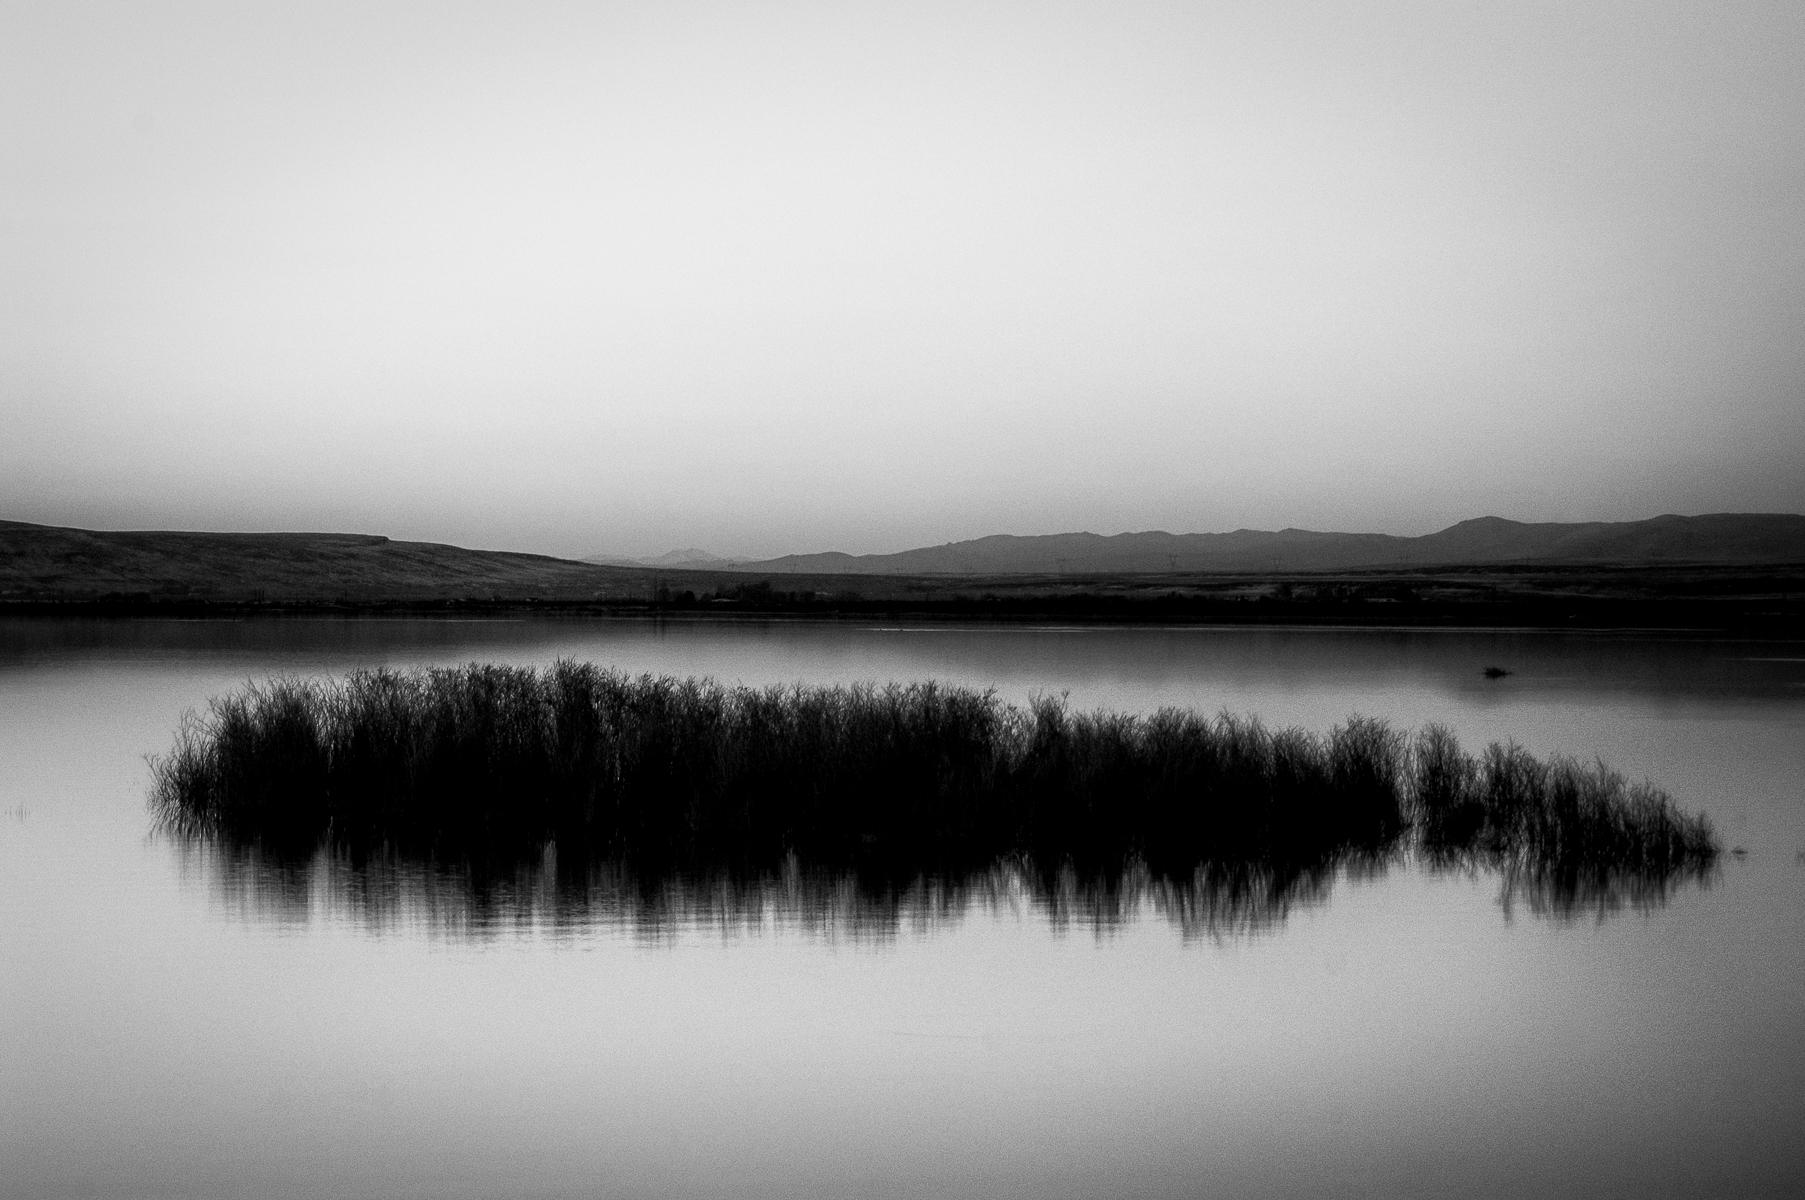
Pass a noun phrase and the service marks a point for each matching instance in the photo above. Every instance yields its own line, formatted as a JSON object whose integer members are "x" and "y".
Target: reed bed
{"x": 900, "y": 779}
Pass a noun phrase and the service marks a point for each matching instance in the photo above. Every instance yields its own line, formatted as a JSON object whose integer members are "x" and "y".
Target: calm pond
{"x": 176, "y": 1023}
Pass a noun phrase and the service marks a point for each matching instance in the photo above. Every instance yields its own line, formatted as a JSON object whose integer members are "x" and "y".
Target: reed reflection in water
{"x": 565, "y": 899}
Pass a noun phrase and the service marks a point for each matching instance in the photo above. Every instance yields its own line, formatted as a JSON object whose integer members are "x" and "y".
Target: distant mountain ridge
{"x": 1743, "y": 538}
{"x": 49, "y": 564}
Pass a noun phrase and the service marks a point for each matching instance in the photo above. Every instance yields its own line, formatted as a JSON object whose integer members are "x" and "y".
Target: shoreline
{"x": 1736, "y": 615}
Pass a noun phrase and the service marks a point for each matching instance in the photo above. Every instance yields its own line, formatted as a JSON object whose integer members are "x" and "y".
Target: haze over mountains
{"x": 683, "y": 560}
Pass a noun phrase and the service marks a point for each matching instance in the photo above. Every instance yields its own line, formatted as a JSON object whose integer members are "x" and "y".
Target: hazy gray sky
{"x": 765, "y": 277}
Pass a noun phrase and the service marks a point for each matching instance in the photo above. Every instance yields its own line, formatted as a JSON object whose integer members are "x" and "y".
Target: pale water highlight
{"x": 182, "y": 1025}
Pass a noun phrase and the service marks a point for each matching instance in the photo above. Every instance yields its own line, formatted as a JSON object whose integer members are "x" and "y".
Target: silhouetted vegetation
{"x": 488, "y": 769}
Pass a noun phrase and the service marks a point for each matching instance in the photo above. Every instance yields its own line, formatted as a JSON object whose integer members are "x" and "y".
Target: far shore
{"x": 1727, "y": 573}
{"x": 1760, "y": 602}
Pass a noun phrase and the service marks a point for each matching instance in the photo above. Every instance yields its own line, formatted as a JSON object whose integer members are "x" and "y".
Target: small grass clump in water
{"x": 909, "y": 777}
{"x": 1510, "y": 806}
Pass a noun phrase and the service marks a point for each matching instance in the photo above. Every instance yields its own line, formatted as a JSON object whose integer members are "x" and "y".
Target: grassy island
{"x": 486, "y": 762}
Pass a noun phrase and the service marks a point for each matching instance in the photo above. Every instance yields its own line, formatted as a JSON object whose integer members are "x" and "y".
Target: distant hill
{"x": 1726, "y": 538}
{"x": 672, "y": 560}
{"x": 41, "y": 562}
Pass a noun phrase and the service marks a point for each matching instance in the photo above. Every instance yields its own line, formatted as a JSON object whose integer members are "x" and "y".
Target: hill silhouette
{"x": 1718, "y": 538}
{"x": 42, "y": 562}
{"x": 1723, "y": 555}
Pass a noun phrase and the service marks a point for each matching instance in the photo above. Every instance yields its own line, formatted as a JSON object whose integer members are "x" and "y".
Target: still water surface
{"x": 173, "y": 1026}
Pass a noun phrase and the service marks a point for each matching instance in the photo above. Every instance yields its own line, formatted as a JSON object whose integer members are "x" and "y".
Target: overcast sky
{"x": 770, "y": 277}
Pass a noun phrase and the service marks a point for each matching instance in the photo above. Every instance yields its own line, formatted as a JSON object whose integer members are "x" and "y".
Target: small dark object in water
{"x": 1494, "y": 672}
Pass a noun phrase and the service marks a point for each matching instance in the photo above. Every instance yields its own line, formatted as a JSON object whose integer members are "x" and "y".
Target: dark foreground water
{"x": 176, "y": 1022}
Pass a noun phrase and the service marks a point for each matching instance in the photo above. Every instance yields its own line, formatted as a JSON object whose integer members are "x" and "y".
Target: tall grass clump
{"x": 898, "y": 779}
{"x": 1508, "y": 804}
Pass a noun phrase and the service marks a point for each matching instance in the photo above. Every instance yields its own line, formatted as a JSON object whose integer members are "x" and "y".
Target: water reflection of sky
{"x": 1403, "y": 1038}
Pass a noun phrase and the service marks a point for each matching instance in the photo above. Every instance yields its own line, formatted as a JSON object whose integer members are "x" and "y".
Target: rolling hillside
{"x": 39, "y": 562}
